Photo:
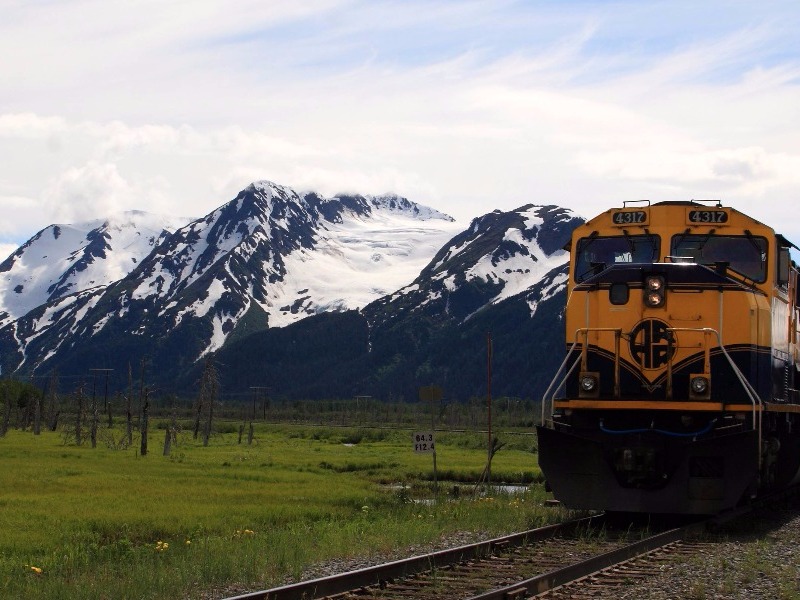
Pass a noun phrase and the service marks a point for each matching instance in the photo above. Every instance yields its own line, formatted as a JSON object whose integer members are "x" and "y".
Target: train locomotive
{"x": 679, "y": 390}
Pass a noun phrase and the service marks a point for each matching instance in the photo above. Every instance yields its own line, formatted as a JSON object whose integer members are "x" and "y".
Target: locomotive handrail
{"x": 583, "y": 360}
{"x": 555, "y": 378}
{"x": 751, "y": 392}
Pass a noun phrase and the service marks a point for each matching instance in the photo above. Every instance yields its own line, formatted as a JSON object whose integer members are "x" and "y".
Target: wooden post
{"x": 432, "y": 394}
{"x": 167, "y": 441}
{"x": 433, "y": 428}
{"x": 489, "y": 408}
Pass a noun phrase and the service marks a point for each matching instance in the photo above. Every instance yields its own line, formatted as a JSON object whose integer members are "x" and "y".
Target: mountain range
{"x": 310, "y": 296}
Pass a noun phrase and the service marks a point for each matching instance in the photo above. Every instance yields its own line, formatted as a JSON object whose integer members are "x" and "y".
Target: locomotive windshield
{"x": 596, "y": 253}
{"x": 745, "y": 254}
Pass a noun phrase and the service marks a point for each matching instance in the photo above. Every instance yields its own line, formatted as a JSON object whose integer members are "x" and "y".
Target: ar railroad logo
{"x": 651, "y": 343}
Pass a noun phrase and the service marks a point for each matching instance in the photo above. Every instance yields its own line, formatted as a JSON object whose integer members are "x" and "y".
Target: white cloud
{"x": 469, "y": 106}
{"x": 84, "y": 193}
{"x": 6, "y": 250}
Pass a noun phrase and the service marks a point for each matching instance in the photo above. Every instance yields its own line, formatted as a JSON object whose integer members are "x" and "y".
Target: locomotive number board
{"x": 630, "y": 217}
{"x": 706, "y": 216}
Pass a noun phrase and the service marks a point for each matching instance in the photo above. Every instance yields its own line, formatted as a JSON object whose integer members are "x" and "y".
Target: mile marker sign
{"x": 423, "y": 441}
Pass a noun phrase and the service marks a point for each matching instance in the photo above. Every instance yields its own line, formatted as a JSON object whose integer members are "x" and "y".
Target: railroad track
{"x": 578, "y": 559}
{"x": 516, "y": 566}
{"x": 606, "y": 582}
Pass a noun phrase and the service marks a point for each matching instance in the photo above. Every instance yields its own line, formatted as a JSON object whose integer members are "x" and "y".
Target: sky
{"x": 172, "y": 107}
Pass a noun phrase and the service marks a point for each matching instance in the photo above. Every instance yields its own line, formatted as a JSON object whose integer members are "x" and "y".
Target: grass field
{"x": 77, "y": 522}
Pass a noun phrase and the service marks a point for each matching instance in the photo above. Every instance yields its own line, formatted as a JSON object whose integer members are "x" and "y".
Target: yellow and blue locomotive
{"x": 678, "y": 393}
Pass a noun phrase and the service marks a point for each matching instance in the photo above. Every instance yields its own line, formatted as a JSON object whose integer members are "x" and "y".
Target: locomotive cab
{"x": 676, "y": 394}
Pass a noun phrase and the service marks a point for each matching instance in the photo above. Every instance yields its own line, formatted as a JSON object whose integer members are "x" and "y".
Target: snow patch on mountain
{"x": 519, "y": 260}
{"x": 357, "y": 261}
{"x": 549, "y": 290}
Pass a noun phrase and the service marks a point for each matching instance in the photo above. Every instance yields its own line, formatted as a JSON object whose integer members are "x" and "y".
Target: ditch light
{"x": 589, "y": 385}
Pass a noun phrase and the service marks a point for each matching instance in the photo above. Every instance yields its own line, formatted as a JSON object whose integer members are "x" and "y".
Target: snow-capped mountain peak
{"x": 177, "y": 290}
{"x": 400, "y": 205}
{"x": 500, "y": 255}
{"x": 270, "y": 253}
{"x": 63, "y": 259}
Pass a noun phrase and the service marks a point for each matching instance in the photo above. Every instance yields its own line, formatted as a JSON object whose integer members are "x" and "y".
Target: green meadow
{"x": 78, "y": 522}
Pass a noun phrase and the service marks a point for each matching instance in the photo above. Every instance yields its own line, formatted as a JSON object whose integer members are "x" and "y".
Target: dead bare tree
{"x": 209, "y": 421}
{"x": 171, "y": 435}
{"x": 209, "y": 388}
{"x": 26, "y": 401}
{"x": 79, "y": 414}
{"x": 53, "y": 402}
{"x": 128, "y": 400}
{"x": 141, "y": 389}
{"x": 199, "y": 404}
{"x": 37, "y": 410}
{"x": 145, "y": 421}
{"x": 94, "y": 417}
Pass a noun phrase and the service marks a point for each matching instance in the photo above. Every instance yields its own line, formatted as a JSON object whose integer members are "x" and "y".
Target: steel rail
{"x": 554, "y": 579}
{"x": 379, "y": 575}
{"x": 548, "y": 581}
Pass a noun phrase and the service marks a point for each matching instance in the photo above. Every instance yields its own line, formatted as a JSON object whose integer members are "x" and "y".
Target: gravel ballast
{"x": 755, "y": 558}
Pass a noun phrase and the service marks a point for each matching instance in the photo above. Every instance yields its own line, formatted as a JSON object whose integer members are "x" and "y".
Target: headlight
{"x": 654, "y": 289}
{"x": 654, "y": 298}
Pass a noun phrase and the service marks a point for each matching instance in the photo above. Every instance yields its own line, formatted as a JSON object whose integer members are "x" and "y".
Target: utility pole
{"x": 489, "y": 407}
{"x": 258, "y": 391}
{"x": 106, "y": 407}
{"x": 93, "y": 429}
{"x": 79, "y": 415}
